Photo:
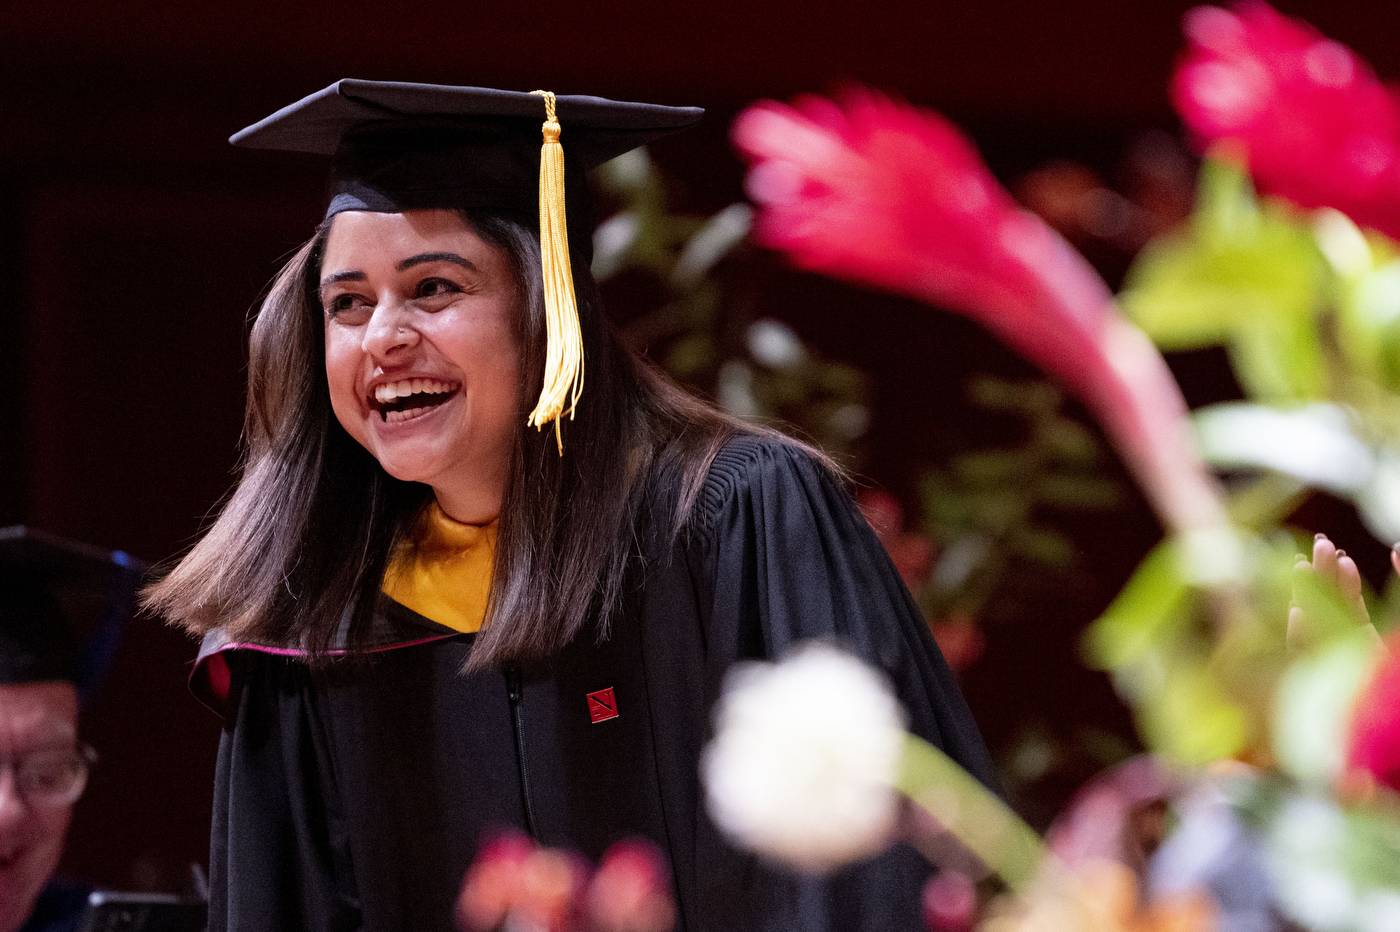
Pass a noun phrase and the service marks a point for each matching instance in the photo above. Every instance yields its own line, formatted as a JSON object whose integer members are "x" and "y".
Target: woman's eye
{"x": 340, "y": 304}
{"x": 435, "y": 287}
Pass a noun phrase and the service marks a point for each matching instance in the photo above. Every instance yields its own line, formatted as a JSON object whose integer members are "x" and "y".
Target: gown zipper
{"x": 515, "y": 690}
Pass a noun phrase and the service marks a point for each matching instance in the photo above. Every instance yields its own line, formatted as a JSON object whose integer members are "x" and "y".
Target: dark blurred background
{"x": 134, "y": 241}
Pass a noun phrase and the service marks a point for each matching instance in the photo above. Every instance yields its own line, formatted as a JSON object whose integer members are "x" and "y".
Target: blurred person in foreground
{"x": 50, "y": 659}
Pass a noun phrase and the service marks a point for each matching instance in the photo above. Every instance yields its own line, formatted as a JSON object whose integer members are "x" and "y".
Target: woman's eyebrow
{"x": 350, "y": 276}
{"x": 411, "y": 261}
{"x": 405, "y": 265}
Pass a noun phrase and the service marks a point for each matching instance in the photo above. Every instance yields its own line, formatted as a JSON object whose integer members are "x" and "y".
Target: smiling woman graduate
{"x": 455, "y": 590}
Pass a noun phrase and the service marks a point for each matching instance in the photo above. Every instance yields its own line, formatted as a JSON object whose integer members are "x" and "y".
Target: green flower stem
{"x": 971, "y": 813}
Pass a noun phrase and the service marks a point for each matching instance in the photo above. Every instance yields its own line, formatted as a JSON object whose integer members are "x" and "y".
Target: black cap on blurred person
{"x": 63, "y": 605}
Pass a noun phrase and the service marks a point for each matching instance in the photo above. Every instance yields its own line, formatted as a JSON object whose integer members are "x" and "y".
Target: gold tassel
{"x": 563, "y": 365}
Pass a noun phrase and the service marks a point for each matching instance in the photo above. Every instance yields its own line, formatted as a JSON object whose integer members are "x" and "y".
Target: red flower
{"x": 1375, "y": 724}
{"x": 960, "y": 641}
{"x": 877, "y": 192}
{"x": 911, "y": 553}
{"x": 516, "y": 884}
{"x": 512, "y": 876}
{"x": 1315, "y": 124}
{"x": 1114, "y": 818}
{"x": 950, "y": 903}
{"x": 631, "y": 891}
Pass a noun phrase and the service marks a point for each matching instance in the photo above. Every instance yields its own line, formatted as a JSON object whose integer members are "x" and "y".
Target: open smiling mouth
{"x": 410, "y": 398}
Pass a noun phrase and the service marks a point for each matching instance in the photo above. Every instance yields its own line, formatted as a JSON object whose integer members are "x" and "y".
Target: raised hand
{"x": 1338, "y": 570}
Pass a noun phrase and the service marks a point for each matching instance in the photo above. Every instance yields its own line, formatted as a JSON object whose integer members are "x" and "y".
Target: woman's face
{"x": 421, "y": 353}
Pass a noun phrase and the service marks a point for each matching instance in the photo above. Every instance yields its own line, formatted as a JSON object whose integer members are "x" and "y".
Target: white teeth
{"x": 389, "y": 391}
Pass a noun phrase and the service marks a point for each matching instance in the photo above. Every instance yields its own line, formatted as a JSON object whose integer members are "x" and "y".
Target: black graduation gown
{"x": 60, "y": 907}
{"x": 356, "y": 797}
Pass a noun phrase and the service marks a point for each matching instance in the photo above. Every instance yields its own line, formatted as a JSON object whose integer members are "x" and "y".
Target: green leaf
{"x": 1277, "y": 356}
{"x": 1315, "y": 444}
{"x": 1192, "y": 721}
{"x": 1313, "y": 706}
{"x": 991, "y": 466}
{"x": 1372, "y": 848}
{"x": 1076, "y": 492}
{"x": 1244, "y": 275}
{"x": 1070, "y": 442}
{"x": 971, "y": 813}
{"x": 1265, "y": 501}
{"x": 714, "y": 240}
{"x": 1042, "y": 545}
{"x": 1024, "y": 398}
{"x": 1334, "y": 867}
{"x": 1379, "y": 500}
{"x": 690, "y": 355}
{"x": 1226, "y": 208}
{"x": 1170, "y": 295}
{"x": 1386, "y": 612}
{"x": 1149, "y": 606}
{"x": 1368, "y": 296}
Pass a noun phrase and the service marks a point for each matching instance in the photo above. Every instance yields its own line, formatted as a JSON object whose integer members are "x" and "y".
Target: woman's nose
{"x": 390, "y": 329}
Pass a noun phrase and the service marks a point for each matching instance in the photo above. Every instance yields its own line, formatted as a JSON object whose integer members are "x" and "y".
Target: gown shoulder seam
{"x": 741, "y": 463}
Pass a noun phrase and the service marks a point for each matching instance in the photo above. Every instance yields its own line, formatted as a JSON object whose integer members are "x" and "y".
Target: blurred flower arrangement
{"x": 797, "y": 779}
{"x": 700, "y": 332}
{"x": 517, "y": 886}
{"x": 984, "y": 512}
{"x": 981, "y": 519}
{"x": 1270, "y": 800}
{"x": 986, "y": 508}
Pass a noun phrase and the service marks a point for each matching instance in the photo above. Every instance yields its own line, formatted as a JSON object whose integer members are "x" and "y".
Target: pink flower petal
{"x": 1374, "y": 745}
{"x": 877, "y": 192}
{"x": 1318, "y": 126}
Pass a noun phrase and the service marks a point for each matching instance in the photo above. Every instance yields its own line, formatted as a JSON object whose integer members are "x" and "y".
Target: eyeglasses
{"x": 51, "y": 778}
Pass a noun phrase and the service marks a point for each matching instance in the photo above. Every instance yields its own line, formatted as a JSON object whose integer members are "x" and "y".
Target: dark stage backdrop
{"x": 134, "y": 241}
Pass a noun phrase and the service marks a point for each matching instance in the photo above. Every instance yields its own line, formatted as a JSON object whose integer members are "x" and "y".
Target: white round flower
{"x": 804, "y": 759}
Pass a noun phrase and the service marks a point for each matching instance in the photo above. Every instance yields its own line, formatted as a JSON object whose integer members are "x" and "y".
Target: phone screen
{"x": 143, "y": 912}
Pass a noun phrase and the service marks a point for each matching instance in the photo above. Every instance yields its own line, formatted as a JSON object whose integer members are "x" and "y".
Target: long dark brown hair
{"x": 298, "y": 552}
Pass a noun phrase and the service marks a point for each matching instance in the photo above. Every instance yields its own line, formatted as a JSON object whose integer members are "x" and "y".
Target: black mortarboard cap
{"x": 400, "y": 146}
{"x": 62, "y": 607}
